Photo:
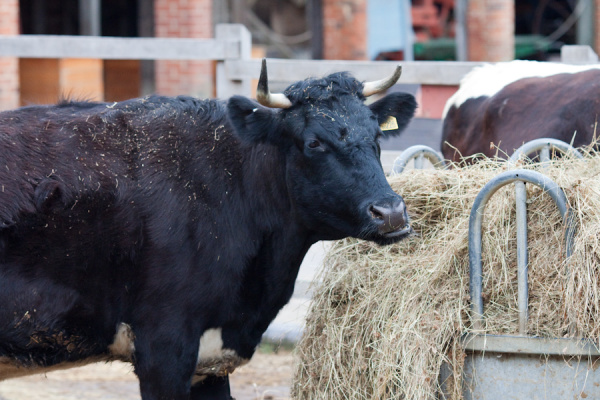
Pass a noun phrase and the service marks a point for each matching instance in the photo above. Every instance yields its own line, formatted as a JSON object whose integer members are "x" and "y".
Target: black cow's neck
{"x": 270, "y": 272}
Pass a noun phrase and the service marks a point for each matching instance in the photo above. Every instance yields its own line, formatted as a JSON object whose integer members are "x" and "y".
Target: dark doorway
{"x": 49, "y": 17}
{"x": 46, "y": 80}
{"x": 120, "y": 18}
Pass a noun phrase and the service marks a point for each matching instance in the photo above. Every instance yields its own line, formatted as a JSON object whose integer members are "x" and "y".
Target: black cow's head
{"x": 329, "y": 138}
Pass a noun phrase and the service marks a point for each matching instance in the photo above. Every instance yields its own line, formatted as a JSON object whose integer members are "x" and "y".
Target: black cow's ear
{"x": 394, "y": 112}
{"x": 252, "y": 122}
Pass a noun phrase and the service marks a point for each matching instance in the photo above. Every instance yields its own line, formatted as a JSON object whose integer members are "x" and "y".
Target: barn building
{"x": 474, "y": 30}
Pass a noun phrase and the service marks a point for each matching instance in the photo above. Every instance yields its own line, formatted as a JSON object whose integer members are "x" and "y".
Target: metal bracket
{"x": 418, "y": 152}
{"x": 475, "y": 223}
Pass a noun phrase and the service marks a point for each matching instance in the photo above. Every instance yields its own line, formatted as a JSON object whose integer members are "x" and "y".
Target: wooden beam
{"x": 413, "y": 72}
{"x": 113, "y": 48}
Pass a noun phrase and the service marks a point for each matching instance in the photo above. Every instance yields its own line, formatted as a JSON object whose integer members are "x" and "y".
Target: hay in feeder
{"x": 384, "y": 319}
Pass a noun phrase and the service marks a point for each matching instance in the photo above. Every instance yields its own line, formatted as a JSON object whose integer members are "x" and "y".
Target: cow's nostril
{"x": 389, "y": 218}
{"x": 376, "y": 212}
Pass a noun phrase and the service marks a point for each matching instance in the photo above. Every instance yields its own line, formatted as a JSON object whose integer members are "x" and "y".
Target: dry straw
{"x": 384, "y": 319}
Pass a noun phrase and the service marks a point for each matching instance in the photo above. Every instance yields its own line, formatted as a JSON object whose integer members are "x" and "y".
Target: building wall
{"x": 490, "y": 30}
{"x": 184, "y": 19}
{"x": 500, "y": 38}
{"x": 345, "y": 29}
{"x": 9, "y": 66}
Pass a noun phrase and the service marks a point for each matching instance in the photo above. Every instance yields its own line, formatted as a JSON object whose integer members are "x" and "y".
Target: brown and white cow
{"x": 498, "y": 107}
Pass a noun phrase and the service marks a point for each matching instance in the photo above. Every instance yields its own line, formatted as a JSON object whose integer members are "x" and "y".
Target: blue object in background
{"x": 389, "y": 27}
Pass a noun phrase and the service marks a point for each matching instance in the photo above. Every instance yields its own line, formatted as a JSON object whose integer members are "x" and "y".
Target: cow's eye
{"x": 313, "y": 144}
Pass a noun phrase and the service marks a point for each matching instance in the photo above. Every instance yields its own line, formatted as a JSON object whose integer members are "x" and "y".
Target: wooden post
{"x": 240, "y": 36}
{"x": 578, "y": 54}
{"x": 314, "y": 16}
{"x": 89, "y": 17}
{"x": 460, "y": 11}
{"x": 146, "y": 29}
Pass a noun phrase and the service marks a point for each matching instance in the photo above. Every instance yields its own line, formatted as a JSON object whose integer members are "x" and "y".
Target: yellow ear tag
{"x": 389, "y": 124}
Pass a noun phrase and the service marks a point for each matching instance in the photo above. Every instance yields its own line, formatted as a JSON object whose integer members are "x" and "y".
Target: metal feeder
{"x": 419, "y": 153}
{"x": 520, "y": 366}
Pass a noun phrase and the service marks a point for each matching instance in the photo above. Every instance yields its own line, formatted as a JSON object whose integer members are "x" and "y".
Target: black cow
{"x": 168, "y": 232}
{"x": 498, "y": 107}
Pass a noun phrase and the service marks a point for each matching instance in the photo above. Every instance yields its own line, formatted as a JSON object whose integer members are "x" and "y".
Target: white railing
{"x": 231, "y": 48}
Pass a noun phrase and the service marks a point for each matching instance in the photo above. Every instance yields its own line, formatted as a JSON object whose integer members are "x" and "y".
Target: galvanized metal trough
{"x": 520, "y": 366}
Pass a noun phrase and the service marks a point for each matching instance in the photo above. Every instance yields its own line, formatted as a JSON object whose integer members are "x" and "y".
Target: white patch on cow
{"x": 213, "y": 358}
{"x": 489, "y": 79}
{"x": 211, "y": 345}
{"x": 122, "y": 346}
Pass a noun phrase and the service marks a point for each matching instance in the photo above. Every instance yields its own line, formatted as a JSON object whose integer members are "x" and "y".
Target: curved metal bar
{"x": 522, "y": 255}
{"x": 417, "y": 152}
{"x": 543, "y": 145}
{"x": 475, "y": 227}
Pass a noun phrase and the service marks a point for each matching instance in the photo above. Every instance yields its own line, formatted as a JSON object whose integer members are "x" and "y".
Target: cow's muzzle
{"x": 391, "y": 218}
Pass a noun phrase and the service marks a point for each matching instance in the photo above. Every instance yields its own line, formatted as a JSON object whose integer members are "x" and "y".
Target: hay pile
{"x": 385, "y": 318}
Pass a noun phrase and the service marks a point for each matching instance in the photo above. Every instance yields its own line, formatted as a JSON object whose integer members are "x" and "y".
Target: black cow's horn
{"x": 266, "y": 98}
{"x": 370, "y": 88}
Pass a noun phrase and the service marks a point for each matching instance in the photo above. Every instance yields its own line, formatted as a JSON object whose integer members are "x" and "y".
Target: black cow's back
{"x": 78, "y": 183}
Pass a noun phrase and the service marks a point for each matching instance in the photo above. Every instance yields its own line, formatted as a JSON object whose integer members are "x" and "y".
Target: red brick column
{"x": 9, "y": 66}
{"x": 500, "y": 33}
{"x": 345, "y": 29}
{"x": 476, "y": 50}
{"x": 491, "y": 30}
{"x": 184, "y": 19}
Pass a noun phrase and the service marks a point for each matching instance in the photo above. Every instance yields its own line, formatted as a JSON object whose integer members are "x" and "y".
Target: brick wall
{"x": 185, "y": 19}
{"x": 9, "y": 67}
{"x": 476, "y": 47}
{"x": 47, "y": 80}
{"x": 490, "y": 30}
{"x": 345, "y": 29}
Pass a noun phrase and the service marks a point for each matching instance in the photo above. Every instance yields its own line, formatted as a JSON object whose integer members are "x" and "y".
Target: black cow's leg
{"x": 164, "y": 365}
{"x": 212, "y": 388}
{"x": 164, "y": 379}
